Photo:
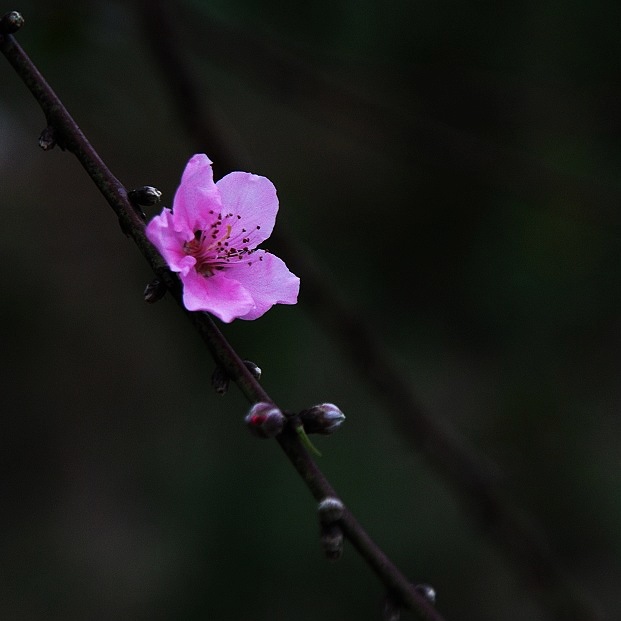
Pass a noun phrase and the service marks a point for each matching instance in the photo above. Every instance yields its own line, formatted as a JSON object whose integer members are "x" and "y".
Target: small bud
{"x": 146, "y": 196}
{"x": 220, "y": 380}
{"x": 253, "y": 368}
{"x": 47, "y": 139}
{"x": 330, "y": 510}
{"x": 11, "y": 22}
{"x": 427, "y": 591}
{"x": 392, "y": 609}
{"x": 154, "y": 291}
{"x": 265, "y": 420}
{"x": 325, "y": 419}
{"x": 332, "y": 541}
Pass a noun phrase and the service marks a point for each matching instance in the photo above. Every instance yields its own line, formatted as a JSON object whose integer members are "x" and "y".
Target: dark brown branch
{"x": 71, "y": 138}
{"x": 514, "y": 532}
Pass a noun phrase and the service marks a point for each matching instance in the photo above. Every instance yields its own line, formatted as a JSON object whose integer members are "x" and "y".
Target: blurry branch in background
{"x": 512, "y": 530}
{"x": 62, "y": 130}
{"x": 273, "y": 67}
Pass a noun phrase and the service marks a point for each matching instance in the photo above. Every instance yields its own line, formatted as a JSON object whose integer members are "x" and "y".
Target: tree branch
{"x": 69, "y": 136}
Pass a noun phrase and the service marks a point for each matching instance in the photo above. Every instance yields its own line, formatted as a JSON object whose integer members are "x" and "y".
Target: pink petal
{"x": 253, "y": 202}
{"x": 217, "y": 294}
{"x": 268, "y": 280}
{"x": 161, "y": 233}
{"x": 197, "y": 201}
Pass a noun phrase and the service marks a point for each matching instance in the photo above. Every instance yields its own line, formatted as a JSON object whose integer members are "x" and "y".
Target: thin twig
{"x": 69, "y": 135}
{"x": 514, "y": 532}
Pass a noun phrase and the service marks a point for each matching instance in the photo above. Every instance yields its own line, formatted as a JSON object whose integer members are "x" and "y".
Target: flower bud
{"x": 146, "y": 196}
{"x": 325, "y": 419}
{"x": 332, "y": 541}
{"x": 253, "y": 368}
{"x": 330, "y": 510}
{"x": 11, "y": 22}
{"x": 427, "y": 591}
{"x": 220, "y": 380}
{"x": 47, "y": 138}
{"x": 154, "y": 291}
{"x": 392, "y": 609}
{"x": 265, "y": 420}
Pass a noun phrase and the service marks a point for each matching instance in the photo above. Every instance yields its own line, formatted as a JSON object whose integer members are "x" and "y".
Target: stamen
{"x": 212, "y": 252}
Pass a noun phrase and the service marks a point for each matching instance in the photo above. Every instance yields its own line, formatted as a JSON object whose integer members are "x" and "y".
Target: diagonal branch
{"x": 511, "y": 529}
{"x": 70, "y": 137}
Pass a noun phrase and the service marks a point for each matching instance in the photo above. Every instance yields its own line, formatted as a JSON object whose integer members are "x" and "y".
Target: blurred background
{"x": 452, "y": 168}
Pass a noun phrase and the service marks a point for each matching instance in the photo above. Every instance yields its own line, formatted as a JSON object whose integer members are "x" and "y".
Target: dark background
{"x": 453, "y": 169}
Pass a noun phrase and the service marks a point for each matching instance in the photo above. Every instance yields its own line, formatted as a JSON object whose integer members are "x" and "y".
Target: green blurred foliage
{"x": 453, "y": 167}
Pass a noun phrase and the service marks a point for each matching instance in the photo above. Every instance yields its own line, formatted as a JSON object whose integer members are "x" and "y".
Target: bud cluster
{"x": 330, "y": 510}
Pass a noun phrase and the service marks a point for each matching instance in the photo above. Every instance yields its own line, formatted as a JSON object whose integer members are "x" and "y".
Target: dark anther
{"x": 11, "y": 22}
{"x": 47, "y": 139}
{"x": 154, "y": 291}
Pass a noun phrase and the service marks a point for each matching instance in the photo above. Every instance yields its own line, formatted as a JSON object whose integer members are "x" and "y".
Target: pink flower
{"x": 210, "y": 238}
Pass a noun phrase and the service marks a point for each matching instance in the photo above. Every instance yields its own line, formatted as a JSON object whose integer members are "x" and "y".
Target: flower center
{"x": 212, "y": 250}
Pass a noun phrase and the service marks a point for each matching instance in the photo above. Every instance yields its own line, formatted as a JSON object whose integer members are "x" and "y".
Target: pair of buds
{"x": 265, "y": 420}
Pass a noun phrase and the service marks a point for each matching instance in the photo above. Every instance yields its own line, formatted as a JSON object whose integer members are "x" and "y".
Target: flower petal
{"x": 197, "y": 201}
{"x": 161, "y": 233}
{"x": 268, "y": 280}
{"x": 252, "y": 204}
{"x": 225, "y": 298}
